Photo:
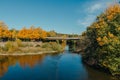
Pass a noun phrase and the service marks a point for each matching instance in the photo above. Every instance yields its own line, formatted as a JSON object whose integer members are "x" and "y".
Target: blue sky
{"x": 63, "y": 16}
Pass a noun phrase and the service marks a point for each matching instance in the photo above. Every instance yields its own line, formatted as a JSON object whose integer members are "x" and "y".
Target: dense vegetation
{"x": 28, "y": 40}
{"x": 104, "y": 36}
{"x": 24, "y": 34}
{"x": 28, "y": 34}
{"x": 18, "y": 47}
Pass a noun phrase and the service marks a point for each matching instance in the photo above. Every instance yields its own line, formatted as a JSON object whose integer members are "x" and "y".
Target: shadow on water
{"x": 94, "y": 74}
{"x": 63, "y": 66}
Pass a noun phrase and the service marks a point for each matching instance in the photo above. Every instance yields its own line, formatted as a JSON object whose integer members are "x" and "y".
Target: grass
{"x": 29, "y": 47}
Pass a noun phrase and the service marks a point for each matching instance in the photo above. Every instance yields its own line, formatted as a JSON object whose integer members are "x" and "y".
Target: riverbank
{"x": 29, "y": 48}
{"x": 25, "y": 54}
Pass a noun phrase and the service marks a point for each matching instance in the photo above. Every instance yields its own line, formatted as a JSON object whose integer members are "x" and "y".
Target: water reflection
{"x": 7, "y": 61}
{"x": 64, "y": 66}
{"x": 94, "y": 74}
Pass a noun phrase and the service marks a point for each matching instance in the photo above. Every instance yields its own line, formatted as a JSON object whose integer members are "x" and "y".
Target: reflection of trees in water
{"x": 3, "y": 68}
{"x": 95, "y": 74}
{"x": 6, "y": 61}
{"x": 30, "y": 60}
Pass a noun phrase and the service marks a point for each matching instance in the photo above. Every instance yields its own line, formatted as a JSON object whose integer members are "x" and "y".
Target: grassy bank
{"x": 18, "y": 47}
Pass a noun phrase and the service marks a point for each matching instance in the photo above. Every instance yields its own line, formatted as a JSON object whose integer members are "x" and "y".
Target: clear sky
{"x": 63, "y": 16}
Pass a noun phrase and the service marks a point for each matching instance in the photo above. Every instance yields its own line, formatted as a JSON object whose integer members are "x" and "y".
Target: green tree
{"x": 104, "y": 36}
{"x": 52, "y": 34}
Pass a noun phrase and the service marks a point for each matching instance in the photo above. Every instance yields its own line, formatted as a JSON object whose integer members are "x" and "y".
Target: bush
{"x": 46, "y": 45}
{"x": 10, "y": 47}
{"x": 56, "y": 47}
{"x": 19, "y": 42}
{"x": 53, "y": 46}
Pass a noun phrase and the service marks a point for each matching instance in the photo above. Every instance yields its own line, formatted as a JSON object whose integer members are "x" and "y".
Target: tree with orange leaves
{"x": 5, "y": 34}
{"x": 32, "y": 33}
{"x": 23, "y": 34}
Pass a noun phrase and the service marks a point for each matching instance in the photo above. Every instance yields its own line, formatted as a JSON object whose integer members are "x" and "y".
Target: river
{"x": 63, "y": 66}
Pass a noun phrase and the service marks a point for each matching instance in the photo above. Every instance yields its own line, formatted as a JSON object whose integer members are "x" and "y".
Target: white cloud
{"x": 98, "y": 6}
{"x": 86, "y": 21}
{"x": 95, "y": 7}
{"x": 91, "y": 10}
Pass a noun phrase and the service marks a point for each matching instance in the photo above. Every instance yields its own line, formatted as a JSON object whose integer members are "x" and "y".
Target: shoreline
{"x": 26, "y": 54}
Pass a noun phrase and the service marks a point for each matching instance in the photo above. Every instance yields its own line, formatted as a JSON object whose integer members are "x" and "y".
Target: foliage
{"x": 51, "y": 33}
{"x": 10, "y": 47}
{"x": 24, "y": 34}
{"x": 53, "y": 46}
{"x": 4, "y": 32}
{"x": 56, "y": 47}
{"x": 19, "y": 42}
{"x": 28, "y": 34}
{"x": 104, "y": 36}
{"x": 32, "y": 34}
{"x": 46, "y": 45}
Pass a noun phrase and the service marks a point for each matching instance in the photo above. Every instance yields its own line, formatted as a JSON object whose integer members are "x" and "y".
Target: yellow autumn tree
{"x": 13, "y": 34}
{"x": 32, "y": 33}
{"x": 5, "y": 34}
{"x": 23, "y": 34}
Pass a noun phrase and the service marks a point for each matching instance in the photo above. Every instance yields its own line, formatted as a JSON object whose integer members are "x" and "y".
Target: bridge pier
{"x": 70, "y": 41}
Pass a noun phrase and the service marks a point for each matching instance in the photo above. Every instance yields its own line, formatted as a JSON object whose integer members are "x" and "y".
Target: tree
{"x": 23, "y": 34}
{"x": 104, "y": 36}
{"x": 5, "y": 34}
{"x": 51, "y": 33}
{"x": 32, "y": 33}
{"x": 13, "y": 34}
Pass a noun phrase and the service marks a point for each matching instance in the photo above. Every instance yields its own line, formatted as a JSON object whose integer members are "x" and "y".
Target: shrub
{"x": 53, "y": 46}
{"x": 56, "y": 47}
{"x": 46, "y": 45}
{"x": 10, "y": 47}
{"x": 19, "y": 42}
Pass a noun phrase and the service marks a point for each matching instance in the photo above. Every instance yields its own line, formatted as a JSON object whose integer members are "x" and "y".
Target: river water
{"x": 63, "y": 66}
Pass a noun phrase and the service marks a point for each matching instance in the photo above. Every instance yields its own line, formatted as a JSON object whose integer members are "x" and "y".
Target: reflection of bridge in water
{"x": 62, "y": 38}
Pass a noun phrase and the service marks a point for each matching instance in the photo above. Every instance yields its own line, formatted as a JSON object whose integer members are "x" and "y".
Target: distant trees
{"x": 27, "y": 34}
{"x": 5, "y": 34}
{"x": 31, "y": 34}
{"x": 13, "y": 34}
{"x": 51, "y": 33}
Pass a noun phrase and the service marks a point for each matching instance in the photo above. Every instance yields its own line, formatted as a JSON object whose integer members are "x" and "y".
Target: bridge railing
{"x": 63, "y": 38}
